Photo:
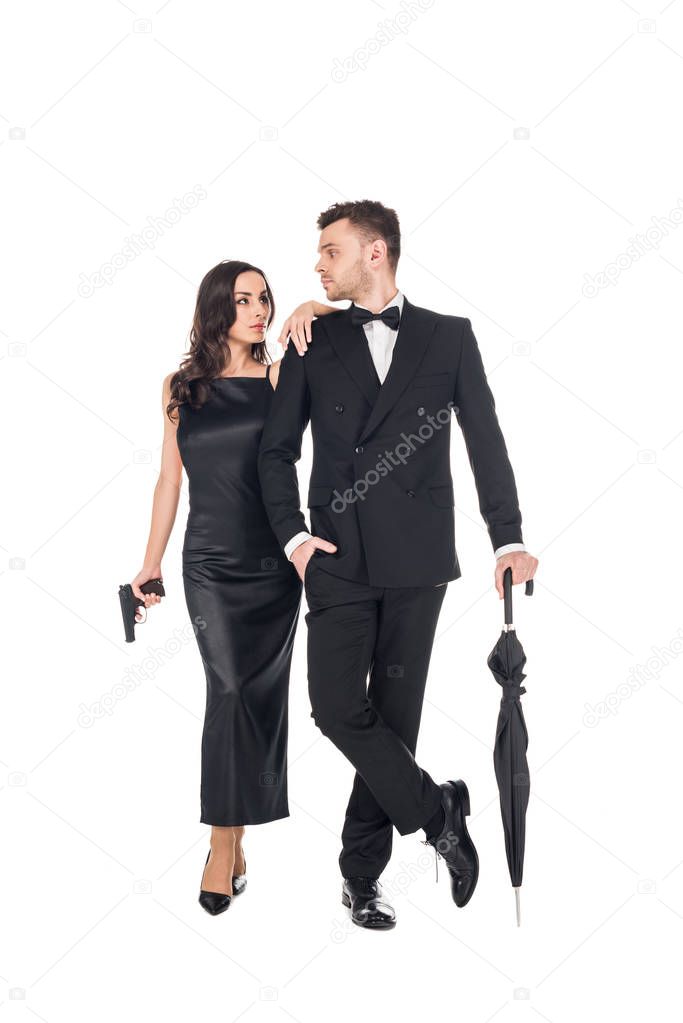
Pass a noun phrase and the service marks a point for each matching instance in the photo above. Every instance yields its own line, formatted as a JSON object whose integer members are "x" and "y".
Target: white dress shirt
{"x": 381, "y": 340}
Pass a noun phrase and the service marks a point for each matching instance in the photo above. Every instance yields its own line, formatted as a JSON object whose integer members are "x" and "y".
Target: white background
{"x": 524, "y": 146}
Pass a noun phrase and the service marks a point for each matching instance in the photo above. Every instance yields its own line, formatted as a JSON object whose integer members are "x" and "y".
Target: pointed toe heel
{"x": 213, "y": 902}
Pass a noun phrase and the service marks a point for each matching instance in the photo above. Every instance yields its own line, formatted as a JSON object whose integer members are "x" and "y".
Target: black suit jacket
{"x": 381, "y": 486}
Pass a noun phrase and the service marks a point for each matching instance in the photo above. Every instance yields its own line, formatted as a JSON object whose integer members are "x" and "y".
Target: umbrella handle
{"x": 507, "y": 593}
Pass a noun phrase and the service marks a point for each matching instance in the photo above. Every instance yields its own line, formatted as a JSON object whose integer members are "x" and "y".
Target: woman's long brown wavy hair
{"x": 209, "y": 353}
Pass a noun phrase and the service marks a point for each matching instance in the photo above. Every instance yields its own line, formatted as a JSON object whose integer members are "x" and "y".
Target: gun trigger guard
{"x": 141, "y": 607}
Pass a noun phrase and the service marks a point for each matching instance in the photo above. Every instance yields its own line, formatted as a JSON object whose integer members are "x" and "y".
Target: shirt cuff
{"x": 508, "y": 548}
{"x": 295, "y": 542}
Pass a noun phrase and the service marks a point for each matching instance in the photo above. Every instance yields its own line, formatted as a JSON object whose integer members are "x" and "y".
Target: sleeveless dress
{"x": 243, "y": 596}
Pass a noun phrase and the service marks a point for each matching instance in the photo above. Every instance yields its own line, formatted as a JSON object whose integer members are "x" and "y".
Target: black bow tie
{"x": 390, "y": 316}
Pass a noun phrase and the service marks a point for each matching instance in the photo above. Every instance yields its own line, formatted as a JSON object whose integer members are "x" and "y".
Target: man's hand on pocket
{"x": 302, "y": 554}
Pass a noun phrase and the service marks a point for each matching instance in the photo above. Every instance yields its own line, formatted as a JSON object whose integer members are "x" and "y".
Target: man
{"x": 378, "y": 384}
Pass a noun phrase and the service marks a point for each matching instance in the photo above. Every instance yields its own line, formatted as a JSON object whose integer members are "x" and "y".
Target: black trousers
{"x": 355, "y": 629}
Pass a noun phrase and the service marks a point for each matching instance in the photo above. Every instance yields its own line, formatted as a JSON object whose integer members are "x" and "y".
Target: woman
{"x": 242, "y": 593}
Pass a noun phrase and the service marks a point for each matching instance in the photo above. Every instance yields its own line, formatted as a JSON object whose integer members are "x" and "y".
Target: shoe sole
{"x": 346, "y": 901}
{"x": 464, "y": 797}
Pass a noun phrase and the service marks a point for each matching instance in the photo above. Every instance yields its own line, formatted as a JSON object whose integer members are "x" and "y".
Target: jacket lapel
{"x": 351, "y": 346}
{"x": 414, "y": 334}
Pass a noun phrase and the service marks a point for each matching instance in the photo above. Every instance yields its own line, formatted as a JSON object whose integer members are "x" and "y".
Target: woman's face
{"x": 252, "y": 308}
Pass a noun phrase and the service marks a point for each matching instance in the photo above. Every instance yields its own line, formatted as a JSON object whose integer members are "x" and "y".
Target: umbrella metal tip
{"x": 518, "y": 907}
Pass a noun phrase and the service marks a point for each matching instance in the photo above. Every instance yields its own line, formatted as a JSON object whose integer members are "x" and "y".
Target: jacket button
{"x": 359, "y": 449}
{"x": 338, "y": 408}
{"x": 421, "y": 411}
{"x": 410, "y": 493}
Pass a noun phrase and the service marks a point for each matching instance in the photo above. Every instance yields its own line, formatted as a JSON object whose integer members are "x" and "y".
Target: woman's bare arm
{"x": 320, "y": 309}
{"x": 299, "y": 324}
{"x": 164, "y": 503}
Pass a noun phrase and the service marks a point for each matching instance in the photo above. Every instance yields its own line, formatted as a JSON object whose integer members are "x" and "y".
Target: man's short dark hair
{"x": 372, "y": 219}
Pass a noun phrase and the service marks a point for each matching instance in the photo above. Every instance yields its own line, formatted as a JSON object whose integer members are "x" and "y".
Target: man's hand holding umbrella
{"x": 523, "y": 567}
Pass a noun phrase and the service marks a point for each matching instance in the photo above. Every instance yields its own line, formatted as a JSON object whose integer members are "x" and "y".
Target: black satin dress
{"x": 243, "y": 596}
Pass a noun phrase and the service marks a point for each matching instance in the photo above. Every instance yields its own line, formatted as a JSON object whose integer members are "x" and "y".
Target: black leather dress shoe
{"x": 454, "y": 844}
{"x": 363, "y": 896}
{"x": 214, "y": 902}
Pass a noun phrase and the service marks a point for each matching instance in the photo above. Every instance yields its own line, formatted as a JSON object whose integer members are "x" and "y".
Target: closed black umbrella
{"x": 506, "y": 661}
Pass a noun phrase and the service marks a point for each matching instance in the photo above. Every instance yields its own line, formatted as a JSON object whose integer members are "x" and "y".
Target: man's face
{"x": 342, "y": 265}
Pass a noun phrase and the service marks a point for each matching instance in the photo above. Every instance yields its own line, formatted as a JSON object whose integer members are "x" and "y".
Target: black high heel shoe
{"x": 239, "y": 881}
{"x": 215, "y": 902}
